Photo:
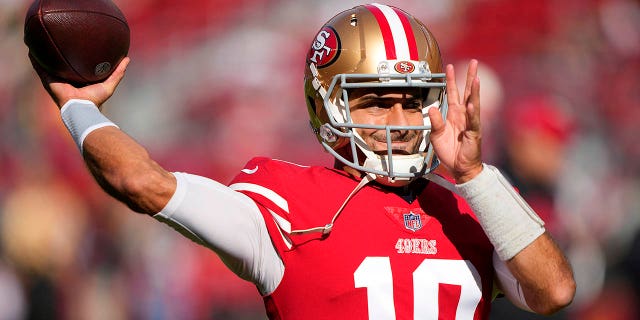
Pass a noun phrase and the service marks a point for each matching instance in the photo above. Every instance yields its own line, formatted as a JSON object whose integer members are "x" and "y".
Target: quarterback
{"x": 408, "y": 224}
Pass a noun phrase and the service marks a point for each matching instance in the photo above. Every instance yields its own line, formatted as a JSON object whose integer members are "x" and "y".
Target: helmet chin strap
{"x": 405, "y": 162}
{"x": 385, "y": 180}
{"x": 401, "y": 163}
{"x": 326, "y": 229}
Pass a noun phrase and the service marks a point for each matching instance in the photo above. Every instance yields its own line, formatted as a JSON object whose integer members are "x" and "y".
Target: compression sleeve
{"x": 508, "y": 283}
{"x": 227, "y": 222}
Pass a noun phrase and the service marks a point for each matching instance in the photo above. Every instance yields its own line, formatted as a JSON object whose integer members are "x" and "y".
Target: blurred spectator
{"x": 42, "y": 234}
{"x": 538, "y": 131}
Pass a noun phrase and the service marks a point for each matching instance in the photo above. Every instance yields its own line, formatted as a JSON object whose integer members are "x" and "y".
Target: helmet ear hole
{"x": 354, "y": 20}
{"x": 314, "y": 119}
{"x": 312, "y": 106}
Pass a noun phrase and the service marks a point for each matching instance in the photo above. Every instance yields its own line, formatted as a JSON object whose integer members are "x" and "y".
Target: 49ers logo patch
{"x": 325, "y": 49}
{"x": 404, "y": 67}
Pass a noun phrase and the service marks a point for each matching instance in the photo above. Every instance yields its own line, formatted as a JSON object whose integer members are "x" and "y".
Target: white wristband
{"x": 507, "y": 219}
{"x": 82, "y": 117}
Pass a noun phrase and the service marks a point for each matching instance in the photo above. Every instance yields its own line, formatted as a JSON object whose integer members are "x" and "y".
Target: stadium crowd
{"x": 560, "y": 112}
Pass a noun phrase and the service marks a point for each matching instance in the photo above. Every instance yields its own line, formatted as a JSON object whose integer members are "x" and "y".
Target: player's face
{"x": 396, "y": 107}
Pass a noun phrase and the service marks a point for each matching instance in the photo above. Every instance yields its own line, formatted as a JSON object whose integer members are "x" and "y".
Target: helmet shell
{"x": 371, "y": 45}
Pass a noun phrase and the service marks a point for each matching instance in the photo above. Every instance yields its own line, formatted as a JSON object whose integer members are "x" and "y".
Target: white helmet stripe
{"x": 387, "y": 16}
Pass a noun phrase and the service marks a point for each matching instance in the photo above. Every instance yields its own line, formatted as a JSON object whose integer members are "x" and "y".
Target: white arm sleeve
{"x": 229, "y": 223}
{"x": 508, "y": 283}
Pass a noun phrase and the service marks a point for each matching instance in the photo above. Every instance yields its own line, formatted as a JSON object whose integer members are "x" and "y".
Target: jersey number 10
{"x": 374, "y": 273}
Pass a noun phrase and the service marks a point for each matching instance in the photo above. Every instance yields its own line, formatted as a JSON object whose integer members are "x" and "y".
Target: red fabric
{"x": 333, "y": 276}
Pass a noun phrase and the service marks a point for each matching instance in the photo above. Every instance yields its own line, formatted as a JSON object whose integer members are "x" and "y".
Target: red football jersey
{"x": 387, "y": 256}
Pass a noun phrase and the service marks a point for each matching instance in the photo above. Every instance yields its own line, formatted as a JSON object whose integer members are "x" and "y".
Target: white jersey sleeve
{"x": 227, "y": 222}
{"x": 508, "y": 284}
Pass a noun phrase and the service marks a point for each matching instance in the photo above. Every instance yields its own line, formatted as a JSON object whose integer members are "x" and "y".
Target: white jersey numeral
{"x": 374, "y": 273}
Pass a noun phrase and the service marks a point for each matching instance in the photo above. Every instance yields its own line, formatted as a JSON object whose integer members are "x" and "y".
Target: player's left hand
{"x": 457, "y": 140}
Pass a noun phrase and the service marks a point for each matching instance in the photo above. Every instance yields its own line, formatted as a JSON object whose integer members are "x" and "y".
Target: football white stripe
{"x": 397, "y": 30}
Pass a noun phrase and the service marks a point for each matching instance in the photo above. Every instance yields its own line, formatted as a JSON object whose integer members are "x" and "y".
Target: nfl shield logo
{"x": 412, "y": 221}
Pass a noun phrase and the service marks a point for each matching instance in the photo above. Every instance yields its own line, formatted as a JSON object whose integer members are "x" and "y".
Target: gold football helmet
{"x": 372, "y": 46}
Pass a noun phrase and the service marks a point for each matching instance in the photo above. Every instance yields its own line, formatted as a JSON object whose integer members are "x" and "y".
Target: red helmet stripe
{"x": 411, "y": 39}
{"x": 385, "y": 28}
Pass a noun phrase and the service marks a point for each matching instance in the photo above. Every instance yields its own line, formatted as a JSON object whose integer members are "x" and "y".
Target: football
{"x": 79, "y": 41}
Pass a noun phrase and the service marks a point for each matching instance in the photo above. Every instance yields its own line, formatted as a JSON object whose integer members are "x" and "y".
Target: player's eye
{"x": 369, "y": 104}
{"x": 414, "y": 104}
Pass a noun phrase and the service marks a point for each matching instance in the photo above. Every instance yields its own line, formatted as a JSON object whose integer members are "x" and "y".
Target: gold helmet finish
{"x": 372, "y": 46}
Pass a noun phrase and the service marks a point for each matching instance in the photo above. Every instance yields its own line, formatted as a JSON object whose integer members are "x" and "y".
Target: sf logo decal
{"x": 325, "y": 48}
{"x": 404, "y": 67}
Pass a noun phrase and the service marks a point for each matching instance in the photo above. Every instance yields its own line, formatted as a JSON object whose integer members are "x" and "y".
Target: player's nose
{"x": 397, "y": 116}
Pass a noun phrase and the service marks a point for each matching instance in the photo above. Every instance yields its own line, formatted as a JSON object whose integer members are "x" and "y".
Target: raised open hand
{"x": 457, "y": 141}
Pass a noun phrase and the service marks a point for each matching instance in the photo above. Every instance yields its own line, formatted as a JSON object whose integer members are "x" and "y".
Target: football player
{"x": 408, "y": 224}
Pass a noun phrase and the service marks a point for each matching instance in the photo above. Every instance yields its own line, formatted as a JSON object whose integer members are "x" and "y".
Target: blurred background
{"x": 213, "y": 83}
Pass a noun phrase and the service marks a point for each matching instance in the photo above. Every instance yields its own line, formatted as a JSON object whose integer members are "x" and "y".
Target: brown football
{"x": 80, "y": 41}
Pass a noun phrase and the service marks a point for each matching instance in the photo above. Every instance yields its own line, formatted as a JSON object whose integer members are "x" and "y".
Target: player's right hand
{"x": 457, "y": 140}
{"x": 98, "y": 93}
